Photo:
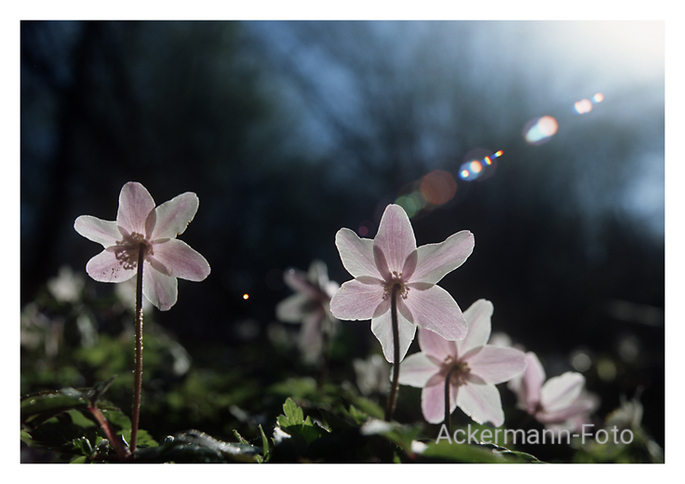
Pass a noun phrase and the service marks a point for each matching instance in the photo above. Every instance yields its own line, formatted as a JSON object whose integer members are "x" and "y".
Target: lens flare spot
{"x": 470, "y": 170}
{"x": 540, "y": 130}
{"x": 412, "y": 203}
{"x": 598, "y": 98}
{"x": 438, "y": 187}
{"x": 363, "y": 230}
{"x": 246, "y": 296}
{"x": 583, "y": 107}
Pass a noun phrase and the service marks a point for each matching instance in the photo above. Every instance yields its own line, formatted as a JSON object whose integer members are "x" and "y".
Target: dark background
{"x": 288, "y": 131}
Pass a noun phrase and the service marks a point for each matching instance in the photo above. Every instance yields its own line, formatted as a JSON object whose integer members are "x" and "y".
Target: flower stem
{"x": 323, "y": 370}
{"x": 138, "y": 373}
{"x": 122, "y": 452}
{"x": 392, "y": 398}
{"x": 448, "y": 420}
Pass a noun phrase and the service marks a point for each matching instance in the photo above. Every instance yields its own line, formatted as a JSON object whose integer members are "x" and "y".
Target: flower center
{"x": 396, "y": 284}
{"x": 127, "y": 250}
{"x": 458, "y": 371}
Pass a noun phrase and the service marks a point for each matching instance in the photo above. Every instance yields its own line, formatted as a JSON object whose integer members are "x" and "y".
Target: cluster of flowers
{"x": 455, "y": 353}
{"x": 394, "y": 285}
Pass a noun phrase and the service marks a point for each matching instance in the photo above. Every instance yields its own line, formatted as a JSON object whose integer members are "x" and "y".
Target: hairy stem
{"x": 448, "y": 420}
{"x": 392, "y": 397}
{"x": 138, "y": 373}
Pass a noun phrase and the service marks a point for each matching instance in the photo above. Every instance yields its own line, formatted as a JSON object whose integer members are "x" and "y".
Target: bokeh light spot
{"x": 606, "y": 369}
{"x": 584, "y": 106}
{"x": 412, "y": 203}
{"x": 438, "y": 187}
{"x": 581, "y": 361}
{"x": 540, "y": 130}
{"x": 246, "y": 296}
{"x": 598, "y": 98}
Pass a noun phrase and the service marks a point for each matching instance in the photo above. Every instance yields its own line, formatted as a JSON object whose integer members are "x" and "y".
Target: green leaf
{"x": 196, "y": 446}
{"x": 38, "y": 408}
{"x": 358, "y": 416}
{"x": 487, "y": 454}
{"x": 265, "y": 443}
{"x": 293, "y": 423}
{"x": 240, "y": 438}
{"x": 446, "y": 451}
{"x": 292, "y": 414}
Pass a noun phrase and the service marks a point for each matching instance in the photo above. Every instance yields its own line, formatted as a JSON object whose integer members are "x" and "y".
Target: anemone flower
{"x": 142, "y": 242}
{"x": 462, "y": 373}
{"x": 560, "y": 402}
{"x": 309, "y": 306}
{"x": 389, "y": 270}
{"x": 140, "y": 226}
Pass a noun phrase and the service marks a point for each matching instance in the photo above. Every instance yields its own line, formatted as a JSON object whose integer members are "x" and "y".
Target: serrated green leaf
{"x": 293, "y": 423}
{"x": 292, "y": 414}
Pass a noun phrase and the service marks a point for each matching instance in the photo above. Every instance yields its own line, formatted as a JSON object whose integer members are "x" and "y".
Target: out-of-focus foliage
{"x": 235, "y": 406}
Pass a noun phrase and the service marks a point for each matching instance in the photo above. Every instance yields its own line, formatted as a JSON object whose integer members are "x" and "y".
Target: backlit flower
{"x": 309, "y": 306}
{"x": 142, "y": 226}
{"x": 472, "y": 366}
{"x": 392, "y": 262}
{"x": 67, "y": 286}
{"x": 560, "y": 402}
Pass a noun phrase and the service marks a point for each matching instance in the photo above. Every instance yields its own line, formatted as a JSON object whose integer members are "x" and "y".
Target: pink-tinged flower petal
{"x": 381, "y": 263}
{"x": 434, "y": 345}
{"x": 478, "y": 320}
{"x": 356, "y": 254}
{"x": 481, "y": 402}
{"x": 496, "y": 364}
{"x": 103, "y": 232}
{"x": 395, "y": 237}
{"x": 559, "y": 392}
{"x": 578, "y": 407}
{"x": 106, "y": 267}
{"x": 433, "y": 399}
{"x": 410, "y": 265}
{"x": 293, "y": 308}
{"x": 435, "y": 309}
{"x": 417, "y": 369}
{"x": 181, "y": 260}
{"x": 318, "y": 274}
{"x": 382, "y": 329}
{"x": 161, "y": 290}
{"x": 531, "y": 383}
{"x": 135, "y": 204}
{"x": 355, "y": 300}
{"x": 311, "y": 336}
{"x": 300, "y": 282}
{"x": 172, "y": 217}
{"x": 436, "y": 260}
